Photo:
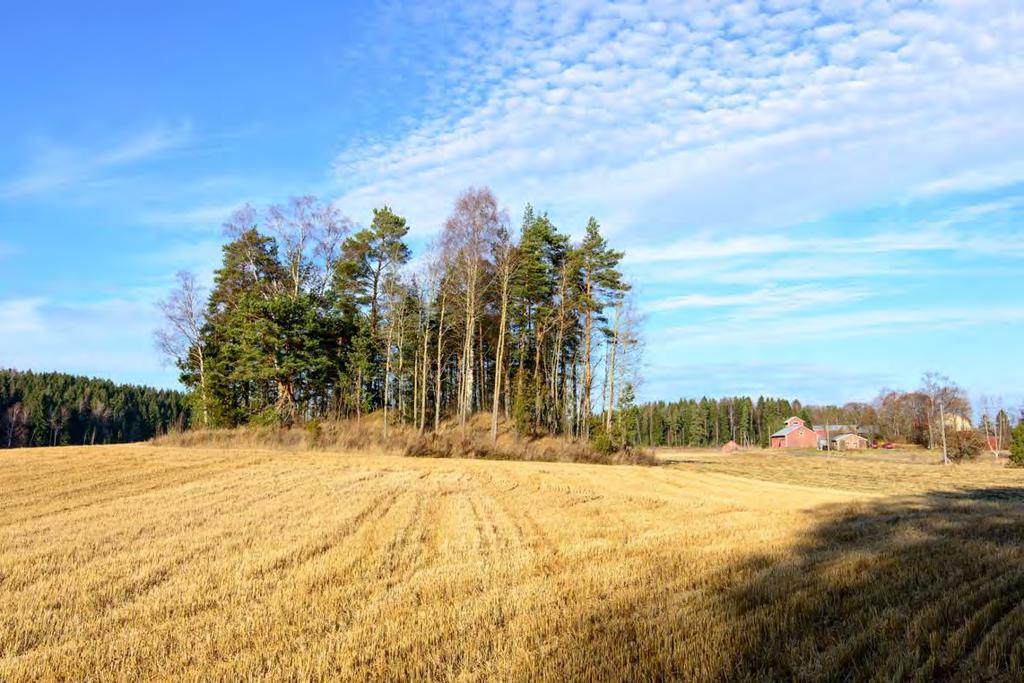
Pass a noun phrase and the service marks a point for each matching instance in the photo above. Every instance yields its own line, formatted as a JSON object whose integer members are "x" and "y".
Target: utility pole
{"x": 942, "y": 425}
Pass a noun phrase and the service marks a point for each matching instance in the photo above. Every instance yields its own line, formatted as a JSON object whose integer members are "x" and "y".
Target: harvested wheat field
{"x": 163, "y": 563}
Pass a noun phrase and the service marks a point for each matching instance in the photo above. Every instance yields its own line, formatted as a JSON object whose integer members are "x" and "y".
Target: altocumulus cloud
{"x": 670, "y": 115}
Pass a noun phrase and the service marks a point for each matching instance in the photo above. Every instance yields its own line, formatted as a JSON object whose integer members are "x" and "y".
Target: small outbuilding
{"x": 830, "y": 430}
{"x": 730, "y": 447}
{"x": 849, "y": 442}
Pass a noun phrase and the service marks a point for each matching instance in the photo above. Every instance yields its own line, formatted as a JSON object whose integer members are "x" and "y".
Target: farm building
{"x": 796, "y": 434}
{"x": 957, "y": 423}
{"x": 849, "y": 442}
{"x": 827, "y": 433}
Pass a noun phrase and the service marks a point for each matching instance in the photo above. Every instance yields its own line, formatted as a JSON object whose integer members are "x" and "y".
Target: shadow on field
{"x": 925, "y": 588}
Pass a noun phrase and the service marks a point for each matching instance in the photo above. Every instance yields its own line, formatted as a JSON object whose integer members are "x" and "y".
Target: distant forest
{"x": 710, "y": 422}
{"x": 55, "y": 409}
{"x": 310, "y": 318}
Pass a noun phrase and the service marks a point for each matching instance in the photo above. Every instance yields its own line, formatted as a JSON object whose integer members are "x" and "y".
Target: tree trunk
{"x": 358, "y": 391}
{"x": 424, "y": 364}
{"x": 202, "y": 384}
{"x": 416, "y": 388}
{"x": 508, "y": 390}
{"x": 437, "y": 376}
{"x": 588, "y": 371}
{"x": 499, "y": 359}
{"x": 374, "y": 309}
{"x": 481, "y": 382}
{"x": 398, "y": 376}
{"x": 611, "y": 369}
{"x": 537, "y": 383}
{"x": 558, "y": 358}
{"x": 942, "y": 425}
{"x": 466, "y": 386}
{"x": 604, "y": 389}
{"x": 387, "y": 372}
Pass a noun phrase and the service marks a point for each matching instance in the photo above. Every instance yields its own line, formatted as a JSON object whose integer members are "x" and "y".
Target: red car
{"x": 888, "y": 446}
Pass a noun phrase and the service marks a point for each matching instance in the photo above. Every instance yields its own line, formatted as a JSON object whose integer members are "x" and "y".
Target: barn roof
{"x": 786, "y": 430}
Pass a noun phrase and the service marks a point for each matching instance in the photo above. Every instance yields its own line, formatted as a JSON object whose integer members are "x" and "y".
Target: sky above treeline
{"x": 817, "y": 199}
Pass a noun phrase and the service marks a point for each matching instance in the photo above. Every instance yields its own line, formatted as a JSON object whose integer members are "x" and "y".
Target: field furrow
{"x": 137, "y": 562}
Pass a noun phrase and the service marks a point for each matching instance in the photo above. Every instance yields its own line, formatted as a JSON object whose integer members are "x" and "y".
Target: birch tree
{"x": 468, "y": 232}
{"x": 505, "y": 265}
{"x": 180, "y": 336}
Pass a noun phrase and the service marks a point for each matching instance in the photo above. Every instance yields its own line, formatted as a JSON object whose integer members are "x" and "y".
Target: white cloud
{"x": 20, "y": 316}
{"x": 56, "y": 166}
{"x": 808, "y": 382}
{"x": 973, "y": 180}
{"x": 205, "y": 216}
{"x": 106, "y": 337}
{"x": 785, "y": 269}
{"x": 920, "y": 240}
{"x": 833, "y": 326}
{"x": 768, "y": 301}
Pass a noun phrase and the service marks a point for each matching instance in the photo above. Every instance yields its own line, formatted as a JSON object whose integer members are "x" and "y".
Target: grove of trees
{"x": 55, "y": 409}
{"x": 309, "y": 319}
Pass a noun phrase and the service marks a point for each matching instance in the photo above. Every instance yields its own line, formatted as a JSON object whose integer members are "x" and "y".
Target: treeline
{"x": 55, "y": 409}
{"x": 900, "y": 416}
{"x": 917, "y": 416}
{"x": 308, "y": 319}
{"x": 710, "y": 421}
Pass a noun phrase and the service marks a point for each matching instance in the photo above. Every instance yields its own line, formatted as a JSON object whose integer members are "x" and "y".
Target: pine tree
{"x": 1017, "y": 444}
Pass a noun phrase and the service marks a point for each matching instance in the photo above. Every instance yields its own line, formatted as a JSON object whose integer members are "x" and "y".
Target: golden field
{"x": 129, "y": 562}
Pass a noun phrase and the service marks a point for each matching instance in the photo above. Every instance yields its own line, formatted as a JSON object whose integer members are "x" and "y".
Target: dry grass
{"x": 905, "y": 471}
{"x": 367, "y": 435}
{"x": 129, "y": 562}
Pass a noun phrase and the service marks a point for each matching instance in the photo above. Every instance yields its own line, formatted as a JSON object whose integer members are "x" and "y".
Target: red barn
{"x": 796, "y": 434}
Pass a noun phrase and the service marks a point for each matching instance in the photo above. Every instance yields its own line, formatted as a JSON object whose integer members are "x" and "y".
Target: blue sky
{"x": 817, "y": 199}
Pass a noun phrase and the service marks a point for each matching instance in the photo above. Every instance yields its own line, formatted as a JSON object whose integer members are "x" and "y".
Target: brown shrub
{"x": 962, "y": 445}
{"x": 476, "y": 444}
{"x": 367, "y": 434}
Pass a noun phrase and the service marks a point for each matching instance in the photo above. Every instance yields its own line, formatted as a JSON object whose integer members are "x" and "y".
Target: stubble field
{"x": 131, "y": 562}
